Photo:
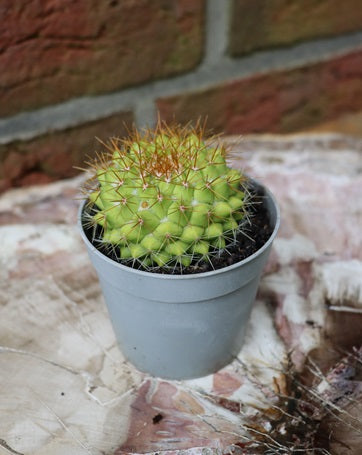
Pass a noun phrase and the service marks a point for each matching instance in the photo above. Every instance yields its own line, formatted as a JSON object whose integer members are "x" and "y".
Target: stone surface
{"x": 262, "y": 24}
{"x": 51, "y": 51}
{"x": 279, "y": 101}
{"x": 55, "y": 155}
{"x": 65, "y": 387}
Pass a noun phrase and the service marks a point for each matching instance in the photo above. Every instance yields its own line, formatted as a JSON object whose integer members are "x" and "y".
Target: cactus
{"x": 166, "y": 198}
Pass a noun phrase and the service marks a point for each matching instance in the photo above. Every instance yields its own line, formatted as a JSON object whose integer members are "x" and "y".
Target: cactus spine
{"x": 166, "y": 198}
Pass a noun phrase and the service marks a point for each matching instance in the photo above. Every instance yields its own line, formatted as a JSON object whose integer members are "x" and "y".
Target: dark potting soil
{"x": 254, "y": 233}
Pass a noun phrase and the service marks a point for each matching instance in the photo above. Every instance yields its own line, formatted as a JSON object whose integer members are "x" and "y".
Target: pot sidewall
{"x": 181, "y": 326}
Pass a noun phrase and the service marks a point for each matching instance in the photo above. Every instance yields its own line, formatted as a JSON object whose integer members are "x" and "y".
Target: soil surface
{"x": 254, "y": 233}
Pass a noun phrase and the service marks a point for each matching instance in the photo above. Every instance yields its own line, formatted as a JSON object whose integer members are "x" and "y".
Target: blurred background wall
{"x": 73, "y": 70}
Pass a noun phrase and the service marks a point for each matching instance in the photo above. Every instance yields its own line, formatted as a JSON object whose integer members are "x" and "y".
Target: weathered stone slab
{"x": 66, "y": 388}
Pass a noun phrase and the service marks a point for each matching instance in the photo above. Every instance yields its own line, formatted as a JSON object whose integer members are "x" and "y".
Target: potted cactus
{"x": 163, "y": 220}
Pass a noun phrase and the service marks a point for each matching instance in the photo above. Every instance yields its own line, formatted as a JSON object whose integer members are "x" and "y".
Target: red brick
{"x": 280, "y": 101}
{"x": 54, "y": 50}
{"x": 53, "y": 156}
{"x": 260, "y": 24}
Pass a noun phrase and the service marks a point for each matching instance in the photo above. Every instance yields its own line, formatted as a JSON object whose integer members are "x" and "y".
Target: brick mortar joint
{"x": 79, "y": 111}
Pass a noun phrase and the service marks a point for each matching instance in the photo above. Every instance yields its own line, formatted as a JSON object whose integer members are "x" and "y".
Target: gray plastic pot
{"x": 181, "y": 326}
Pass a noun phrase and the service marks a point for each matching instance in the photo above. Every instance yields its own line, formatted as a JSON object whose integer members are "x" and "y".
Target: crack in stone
{"x": 85, "y": 328}
{"x": 62, "y": 423}
{"x": 6, "y": 446}
{"x": 6, "y": 349}
{"x": 88, "y": 377}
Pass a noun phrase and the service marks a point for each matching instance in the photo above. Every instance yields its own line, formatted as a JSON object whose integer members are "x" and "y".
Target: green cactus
{"x": 166, "y": 198}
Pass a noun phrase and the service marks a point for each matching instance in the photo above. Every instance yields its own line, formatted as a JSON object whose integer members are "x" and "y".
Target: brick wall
{"x": 71, "y": 71}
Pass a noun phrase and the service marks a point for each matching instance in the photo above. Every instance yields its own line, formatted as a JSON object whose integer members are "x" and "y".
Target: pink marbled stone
{"x": 65, "y": 387}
